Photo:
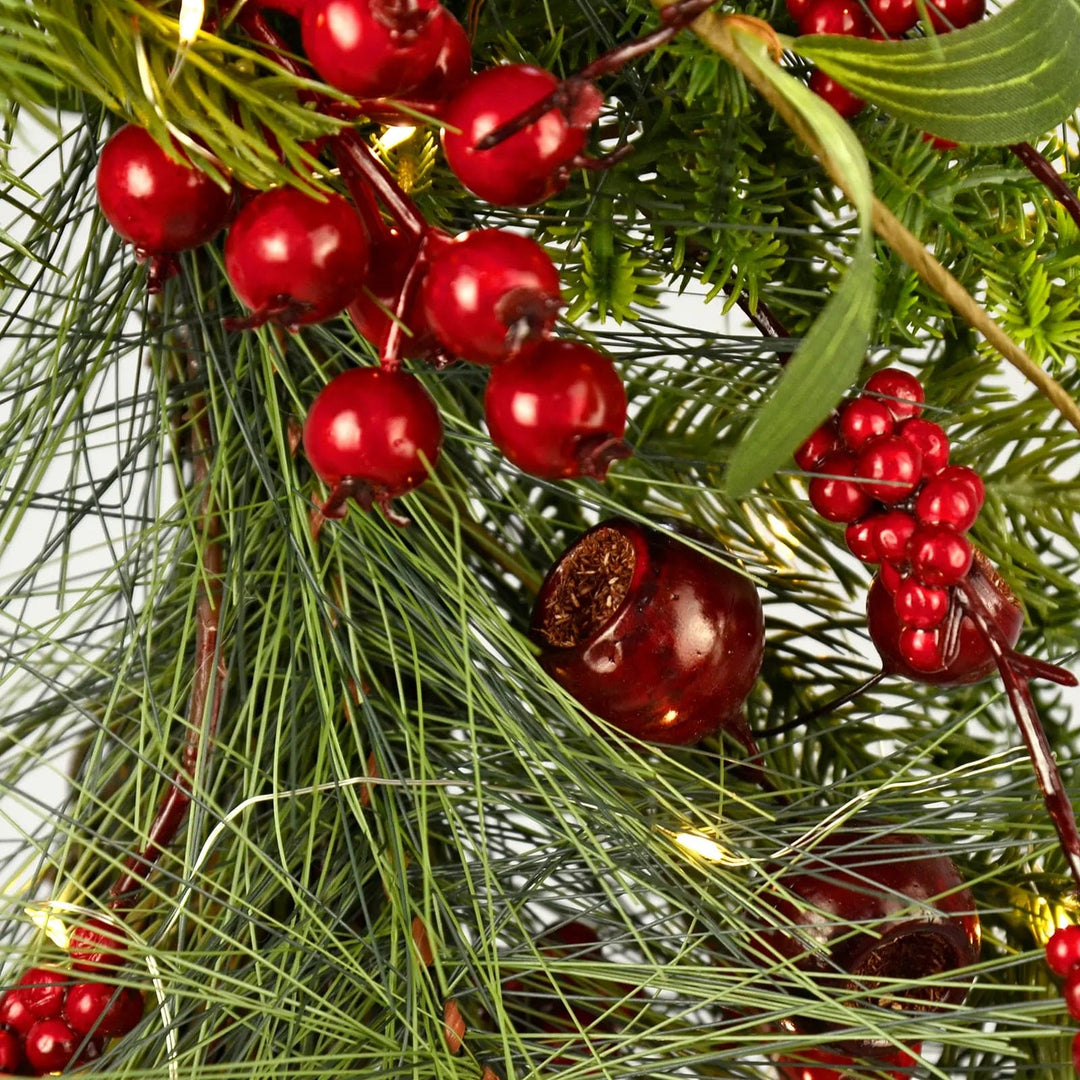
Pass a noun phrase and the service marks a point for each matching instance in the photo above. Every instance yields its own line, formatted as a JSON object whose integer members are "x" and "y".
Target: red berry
{"x": 650, "y": 634}
{"x": 103, "y": 1011}
{"x": 947, "y": 501}
{"x": 1063, "y": 950}
{"x": 296, "y": 259}
{"x": 820, "y": 442}
{"x": 847, "y": 104}
{"x": 11, "y": 1053}
{"x": 1076, "y": 1051}
{"x": 372, "y": 48}
{"x": 895, "y": 17}
{"x": 835, "y": 17}
{"x": 889, "y": 468}
{"x": 920, "y": 607}
{"x": 947, "y": 15}
{"x": 921, "y": 649}
{"x": 798, "y": 8}
{"x": 891, "y": 532}
{"x": 159, "y": 204}
{"x": 890, "y": 576}
{"x": 903, "y": 393}
{"x": 962, "y": 474}
{"x": 820, "y": 1064}
{"x": 42, "y": 991}
{"x": 557, "y": 409}
{"x": 374, "y": 426}
{"x": 859, "y": 537}
{"x": 931, "y": 441}
{"x": 1071, "y": 993}
{"x": 939, "y": 555}
{"x": 938, "y": 143}
{"x": 488, "y": 291}
{"x": 862, "y": 419}
{"x": 528, "y": 166}
{"x": 15, "y": 1013}
{"x": 50, "y": 1046}
{"x": 97, "y": 944}
{"x": 834, "y": 496}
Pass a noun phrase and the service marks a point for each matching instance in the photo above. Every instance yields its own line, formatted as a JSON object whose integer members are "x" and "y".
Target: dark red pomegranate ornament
{"x": 651, "y": 634}
{"x": 864, "y": 910}
{"x": 489, "y": 291}
{"x": 558, "y": 410}
{"x": 159, "y": 204}
{"x": 294, "y": 259}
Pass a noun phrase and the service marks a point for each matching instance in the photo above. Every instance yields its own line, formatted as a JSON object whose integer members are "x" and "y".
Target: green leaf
{"x": 828, "y": 360}
{"x": 1007, "y": 79}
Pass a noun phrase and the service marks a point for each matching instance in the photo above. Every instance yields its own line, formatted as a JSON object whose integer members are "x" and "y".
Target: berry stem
{"x": 358, "y": 162}
{"x": 1018, "y": 692}
{"x": 828, "y": 707}
{"x": 204, "y": 704}
{"x": 1049, "y": 177}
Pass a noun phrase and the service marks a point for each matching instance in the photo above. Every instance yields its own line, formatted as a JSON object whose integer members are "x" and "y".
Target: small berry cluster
{"x": 49, "y": 1021}
{"x": 1063, "y": 959}
{"x": 884, "y": 471}
{"x": 879, "y": 20}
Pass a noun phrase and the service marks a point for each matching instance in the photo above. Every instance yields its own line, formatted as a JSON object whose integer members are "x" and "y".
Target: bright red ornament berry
{"x": 847, "y": 104}
{"x": 822, "y": 441}
{"x": 903, "y": 393}
{"x": 160, "y": 205}
{"x": 488, "y": 292}
{"x": 890, "y": 577}
{"x": 835, "y": 17}
{"x": 103, "y": 1011}
{"x": 969, "y": 477}
{"x": 921, "y": 649}
{"x": 294, "y": 259}
{"x": 896, "y": 17}
{"x": 889, "y": 468}
{"x": 11, "y": 1053}
{"x": 379, "y": 428}
{"x": 930, "y": 440}
{"x": 97, "y": 945}
{"x": 821, "y": 1064}
{"x": 920, "y": 607}
{"x": 939, "y": 555}
{"x": 531, "y": 164}
{"x": 1071, "y": 993}
{"x": 798, "y": 8}
{"x": 946, "y": 501}
{"x": 50, "y": 1046}
{"x": 948, "y": 15}
{"x": 15, "y": 1013}
{"x": 557, "y": 410}
{"x": 859, "y": 537}
{"x": 373, "y": 48}
{"x": 1063, "y": 950}
{"x": 42, "y": 991}
{"x": 833, "y": 495}
{"x": 651, "y": 634}
{"x": 890, "y": 533}
{"x": 862, "y": 419}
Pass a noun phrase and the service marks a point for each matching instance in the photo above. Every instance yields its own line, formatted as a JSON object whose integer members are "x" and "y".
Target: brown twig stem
{"x": 204, "y": 703}
{"x": 1049, "y": 177}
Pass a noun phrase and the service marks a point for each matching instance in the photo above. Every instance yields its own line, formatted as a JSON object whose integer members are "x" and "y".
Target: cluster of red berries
{"x": 884, "y": 471}
{"x": 1063, "y": 959}
{"x": 49, "y": 1021}
{"x": 879, "y": 20}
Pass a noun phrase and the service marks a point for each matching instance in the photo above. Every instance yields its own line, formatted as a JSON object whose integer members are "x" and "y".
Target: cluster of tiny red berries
{"x": 1063, "y": 959}
{"x": 884, "y": 471}
{"x": 878, "y": 20}
{"x": 49, "y": 1021}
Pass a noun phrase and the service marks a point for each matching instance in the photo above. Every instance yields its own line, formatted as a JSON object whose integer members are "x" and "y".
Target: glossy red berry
{"x": 835, "y": 17}
{"x": 42, "y": 991}
{"x": 528, "y": 166}
{"x": 939, "y": 555}
{"x": 895, "y": 17}
{"x": 557, "y": 409}
{"x": 1071, "y": 993}
{"x": 921, "y": 607}
{"x": 890, "y": 533}
{"x": 969, "y": 477}
{"x": 832, "y": 494}
{"x": 821, "y": 1064}
{"x": 15, "y": 1013}
{"x": 946, "y": 501}
{"x": 374, "y": 426}
{"x": 862, "y": 419}
{"x": 889, "y": 468}
{"x": 101, "y": 1010}
{"x": 650, "y": 634}
{"x": 921, "y": 650}
{"x": 890, "y": 577}
{"x": 97, "y": 945}
{"x": 489, "y": 291}
{"x": 160, "y": 205}
{"x": 373, "y": 48}
{"x": 930, "y": 440}
{"x": 50, "y": 1046}
{"x": 1063, "y": 950}
{"x": 798, "y": 8}
{"x": 903, "y": 393}
{"x": 295, "y": 259}
{"x": 883, "y": 908}
{"x": 859, "y": 537}
{"x": 847, "y": 104}
{"x": 11, "y": 1053}
{"x": 947, "y": 15}
{"x": 971, "y": 661}
{"x": 822, "y": 441}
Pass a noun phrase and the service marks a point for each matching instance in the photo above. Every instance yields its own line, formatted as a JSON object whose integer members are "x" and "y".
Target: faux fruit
{"x": 651, "y": 634}
{"x": 557, "y": 410}
{"x": 866, "y": 909}
{"x": 295, "y": 259}
{"x": 822, "y": 1064}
